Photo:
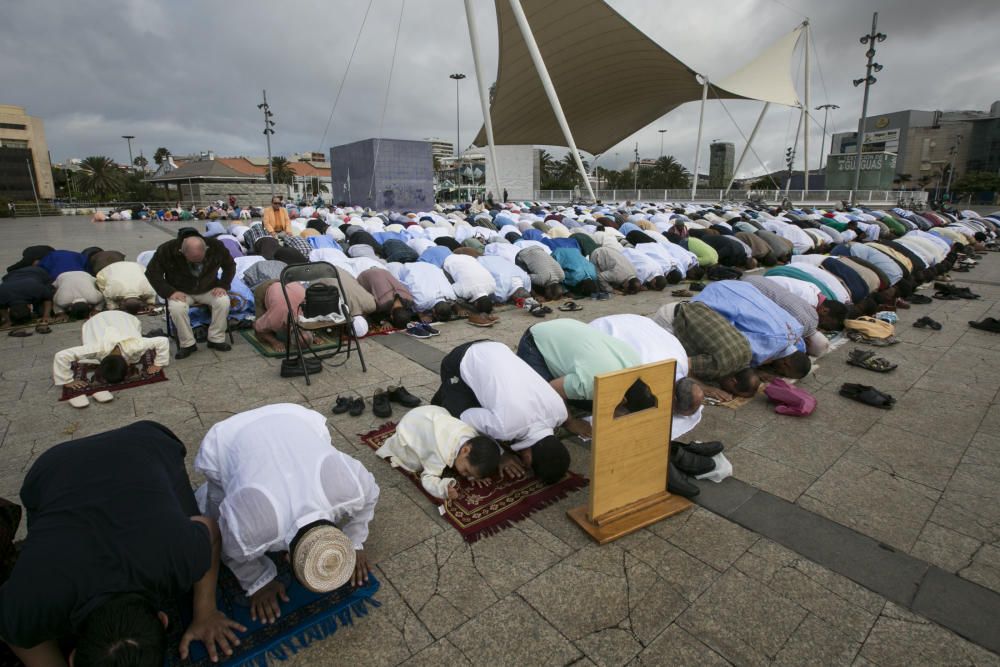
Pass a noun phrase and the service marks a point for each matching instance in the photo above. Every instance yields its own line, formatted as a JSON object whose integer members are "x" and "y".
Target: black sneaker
{"x": 221, "y": 347}
{"x": 381, "y": 407}
{"x": 357, "y": 407}
{"x": 417, "y": 330}
{"x": 681, "y": 484}
{"x": 403, "y": 397}
{"x": 431, "y": 330}
{"x": 341, "y": 406}
{"x": 708, "y": 449}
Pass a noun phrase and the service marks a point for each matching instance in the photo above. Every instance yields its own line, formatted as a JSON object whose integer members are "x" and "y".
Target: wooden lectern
{"x": 629, "y": 456}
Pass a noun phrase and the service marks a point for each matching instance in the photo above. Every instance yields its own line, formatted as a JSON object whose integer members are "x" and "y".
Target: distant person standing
{"x": 505, "y": 195}
{"x": 12, "y": 209}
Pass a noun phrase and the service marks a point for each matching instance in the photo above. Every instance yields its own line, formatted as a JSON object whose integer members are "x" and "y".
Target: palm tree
{"x": 667, "y": 173}
{"x": 141, "y": 162}
{"x": 282, "y": 170}
{"x": 567, "y": 171}
{"x": 100, "y": 178}
{"x": 160, "y": 155}
{"x": 545, "y": 164}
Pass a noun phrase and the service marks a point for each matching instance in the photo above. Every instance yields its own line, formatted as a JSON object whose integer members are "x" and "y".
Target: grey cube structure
{"x": 395, "y": 174}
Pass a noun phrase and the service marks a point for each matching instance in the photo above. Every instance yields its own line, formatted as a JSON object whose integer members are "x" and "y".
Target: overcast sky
{"x": 188, "y": 75}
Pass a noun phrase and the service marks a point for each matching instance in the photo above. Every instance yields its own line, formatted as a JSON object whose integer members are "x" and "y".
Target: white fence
{"x": 872, "y": 197}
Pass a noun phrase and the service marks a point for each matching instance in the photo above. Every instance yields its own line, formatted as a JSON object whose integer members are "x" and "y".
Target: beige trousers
{"x": 217, "y": 327}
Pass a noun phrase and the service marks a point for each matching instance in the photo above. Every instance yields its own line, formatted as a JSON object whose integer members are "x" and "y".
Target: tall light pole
{"x": 825, "y": 108}
{"x": 868, "y": 80}
{"x": 129, "y": 138}
{"x": 268, "y": 131}
{"x": 458, "y": 76}
{"x": 951, "y": 164}
{"x": 662, "y": 132}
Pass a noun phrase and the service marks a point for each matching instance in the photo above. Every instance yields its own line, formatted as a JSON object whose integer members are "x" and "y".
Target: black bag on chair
{"x": 321, "y": 299}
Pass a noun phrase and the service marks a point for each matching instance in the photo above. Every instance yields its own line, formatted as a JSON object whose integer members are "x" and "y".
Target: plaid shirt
{"x": 255, "y": 233}
{"x": 296, "y": 243}
{"x": 715, "y": 347}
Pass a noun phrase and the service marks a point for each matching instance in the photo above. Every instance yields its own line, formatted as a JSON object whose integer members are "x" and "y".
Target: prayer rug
{"x": 138, "y": 375}
{"x": 480, "y": 512}
{"x": 306, "y": 618}
{"x": 322, "y": 341}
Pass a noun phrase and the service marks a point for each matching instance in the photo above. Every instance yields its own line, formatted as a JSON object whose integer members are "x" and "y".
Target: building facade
{"x": 722, "y": 155}
{"x": 930, "y": 143}
{"x": 24, "y": 155}
{"x": 383, "y": 174}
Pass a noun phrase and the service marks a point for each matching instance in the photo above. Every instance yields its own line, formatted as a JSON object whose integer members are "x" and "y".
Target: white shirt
{"x": 125, "y": 280}
{"x": 517, "y": 404}
{"x": 801, "y": 241}
{"x": 426, "y": 442}
{"x": 646, "y": 267}
{"x": 500, "y": 249}
{"x": 800, "y": 288}
{"x": 427, "y": 283}
{"x": 272, "y": 471}
{"x": 419, "y": 245}
{"x": 331, "y": 255}
{"x": 653, "y": 343}
{"x": 660, "y": 255}
{"x": 245, "y": 262}
{"x": 101, "y": 334}
{"x": 470, "y": 280}
{"x": 73, "y": 286}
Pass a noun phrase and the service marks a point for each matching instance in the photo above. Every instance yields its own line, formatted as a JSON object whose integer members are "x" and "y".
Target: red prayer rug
{"x": 138, "y": 375}
{"x": 480, "y": 512}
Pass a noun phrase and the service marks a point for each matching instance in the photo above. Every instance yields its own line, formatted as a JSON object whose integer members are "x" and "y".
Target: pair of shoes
{"x": 185, "y": 352}
{"x": 83, "y": 401}
{"x": 383, "y": 399}
{"x": 690, "y": 462}
{"x": 221, "y": 347}
{"x": 480, "y": 320}
{"x": 869, "y": 395}
{"x": 416, "y": 330}
{"x": 351, "y": 405}
{"x": 927, "y": 323}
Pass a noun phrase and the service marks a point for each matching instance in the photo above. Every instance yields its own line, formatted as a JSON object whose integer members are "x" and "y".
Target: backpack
{"x": 322, "y": 299}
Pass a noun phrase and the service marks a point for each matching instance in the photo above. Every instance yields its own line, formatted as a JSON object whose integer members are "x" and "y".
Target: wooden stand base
{"x": 629, "y": 521}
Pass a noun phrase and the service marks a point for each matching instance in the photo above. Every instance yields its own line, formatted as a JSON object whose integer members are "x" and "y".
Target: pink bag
{"x": 791, "y": 400}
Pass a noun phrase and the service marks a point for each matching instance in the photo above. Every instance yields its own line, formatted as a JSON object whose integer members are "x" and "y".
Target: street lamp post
{"x": 825, "y": 108}
{"x": 458, "y": 76}
{"x": 868, "y": 80}
{"x": 268, "y": 131}
{"x": 129, "y": 138}
{"x": 951, "y": 164}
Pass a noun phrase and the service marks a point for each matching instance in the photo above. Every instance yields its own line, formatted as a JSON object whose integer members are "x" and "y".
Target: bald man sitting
{"x": 186, "y": 271}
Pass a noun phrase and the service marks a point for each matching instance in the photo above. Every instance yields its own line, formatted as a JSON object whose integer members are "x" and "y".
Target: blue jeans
{"x": 530, "y": 354}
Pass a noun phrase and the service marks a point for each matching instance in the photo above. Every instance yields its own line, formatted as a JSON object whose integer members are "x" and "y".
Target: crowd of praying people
{"x": 98, "y": 590}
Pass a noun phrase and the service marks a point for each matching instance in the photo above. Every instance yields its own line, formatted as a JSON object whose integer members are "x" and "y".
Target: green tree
{"x": 545, "y": 165}
{"x": 100, "y": 178}
{"x": 141, "y": 162}
{"x": 282, "y": 170}
{"x": 976, "y": 181}
{"x": 160, "y": 155}
{"x": 667, "y": 173}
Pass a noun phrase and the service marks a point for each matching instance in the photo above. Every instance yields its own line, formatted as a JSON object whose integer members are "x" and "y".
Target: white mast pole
{"x": 746, "y": 149}
{"x": 697, "y": 146}
{"x": 805, "y": 120}
{"x": 550, "y": 91}
{"x": 484, "y": 99}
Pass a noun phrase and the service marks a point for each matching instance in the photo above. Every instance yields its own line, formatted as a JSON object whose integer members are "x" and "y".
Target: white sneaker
{"x": 104, "y": 396}
{"x": 80, "y": 401}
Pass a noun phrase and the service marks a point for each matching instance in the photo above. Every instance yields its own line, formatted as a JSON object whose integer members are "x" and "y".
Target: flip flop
{"x": 683, "y": 293}
{"x": 867, "y": 395}
{"x": 538, "y": 311}
{"x": 43, "y": 329}
{"x": 104, "y": 396}
{"x": 20, "y": 333}
{"x": 866, "y": 359}
{"x": 570, "y": 307}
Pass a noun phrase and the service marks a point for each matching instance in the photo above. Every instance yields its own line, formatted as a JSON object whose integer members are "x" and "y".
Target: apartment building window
{"x": 12, "y": 126}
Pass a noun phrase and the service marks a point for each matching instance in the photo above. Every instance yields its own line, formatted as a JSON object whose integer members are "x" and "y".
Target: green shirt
{"x": 706, "y": 254}
{"x": 577, "y": 352}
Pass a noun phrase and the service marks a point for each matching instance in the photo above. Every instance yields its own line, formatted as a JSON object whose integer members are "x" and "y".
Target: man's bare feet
{"x": 579, "y": 427}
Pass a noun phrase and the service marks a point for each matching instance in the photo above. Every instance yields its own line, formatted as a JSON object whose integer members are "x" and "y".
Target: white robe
{"x": 427, "y": 441}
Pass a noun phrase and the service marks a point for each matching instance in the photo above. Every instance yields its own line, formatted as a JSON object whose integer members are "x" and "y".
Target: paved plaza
{"x": 854, "y": 536}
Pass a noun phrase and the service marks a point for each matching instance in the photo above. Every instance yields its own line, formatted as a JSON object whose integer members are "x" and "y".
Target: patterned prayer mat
{"x": 480, "y": 512}
{"x": 137, "y": 376}
{"x": 322, "y": 341}
{"x": 306, "y": 618}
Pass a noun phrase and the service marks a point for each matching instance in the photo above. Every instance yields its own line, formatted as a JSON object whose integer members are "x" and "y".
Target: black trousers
{"x": 454, "y": 395}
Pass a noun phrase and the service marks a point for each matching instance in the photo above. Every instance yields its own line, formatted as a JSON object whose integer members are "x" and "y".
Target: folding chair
{"x": 308, "y": 273}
